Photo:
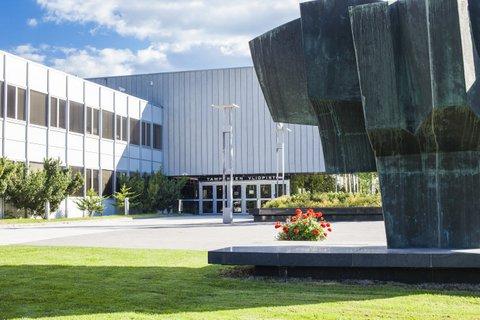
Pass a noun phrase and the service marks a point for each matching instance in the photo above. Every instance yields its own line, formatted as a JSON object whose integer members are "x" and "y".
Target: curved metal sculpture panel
{"x": 417, "y": 62}
{"x": 310, "y": 77}
{"x": 278, "y": 59}
{"x": 418, "y": 77}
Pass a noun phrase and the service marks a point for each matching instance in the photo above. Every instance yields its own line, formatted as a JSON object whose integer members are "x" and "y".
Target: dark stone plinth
{"x": 417, "y": 68}
{"x": 361, "y": 263}
{"x": 330, "y": 214}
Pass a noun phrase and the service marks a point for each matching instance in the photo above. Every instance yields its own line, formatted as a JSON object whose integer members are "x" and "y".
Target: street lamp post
{"x": 281, "y": 129}
{"x": 227, "y": 153}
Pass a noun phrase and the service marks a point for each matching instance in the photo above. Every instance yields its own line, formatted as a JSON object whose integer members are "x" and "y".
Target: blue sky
{"x": 113, "y": 37}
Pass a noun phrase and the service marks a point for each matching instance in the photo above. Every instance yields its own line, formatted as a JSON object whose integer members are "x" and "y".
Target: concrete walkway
{"x": 196, "y": 233}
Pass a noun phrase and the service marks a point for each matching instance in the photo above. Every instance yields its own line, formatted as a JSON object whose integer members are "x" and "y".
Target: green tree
{"x": 313, "y": 183}
{"x": 136, "y": 185}
{"x": 29, "y": 190}
{"x": 8, "y": 169}
{"x": 92, "y": 203}
{"x": 122, "y": 195}
{"x": 154, "y": 192}
{"x": 163, "y": 192}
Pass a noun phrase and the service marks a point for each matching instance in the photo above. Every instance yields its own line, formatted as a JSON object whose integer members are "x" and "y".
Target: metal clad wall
{"x": 192, "y": 127}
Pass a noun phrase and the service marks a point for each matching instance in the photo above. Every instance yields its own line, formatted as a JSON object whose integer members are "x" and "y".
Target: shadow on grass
{"x": 50, "y": 290}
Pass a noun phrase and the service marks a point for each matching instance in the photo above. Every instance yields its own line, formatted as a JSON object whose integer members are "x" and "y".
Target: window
{"x": 135, "y": 131}
{"x": 147, "y": 139}
{"x": 2, "y": 101}
{"x": 124, "y": 129}
{"x": 157, "y": 136}
{"x": 107, "y": 182}
{"x": 76, "y": 117}
{"x": 108, "y": 119}
{"x": 75, "y": 170}
{"x": 96, "y": 122}
{"x": 92, "y": 179}
{"x": 16, "y": 102}
{"x": 265, "y": 191}
{"x": 120, "y": 177}
{"x": 251, "y": 191}
{"x": 118, "y": 128}
{"x": 21, "y": 104}
{"x": 93, "y": 121}
{"x": 53, "y": 112}
{"x": 89, "y": 122}
{"x": 11, "y": 92}
{"x": 62, "y": 114}
{"x": 38, "y": 108}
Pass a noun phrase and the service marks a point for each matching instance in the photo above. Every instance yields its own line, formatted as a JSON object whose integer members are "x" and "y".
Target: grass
{"x": 85, "y": 283}
{"x": 36, "y": 221}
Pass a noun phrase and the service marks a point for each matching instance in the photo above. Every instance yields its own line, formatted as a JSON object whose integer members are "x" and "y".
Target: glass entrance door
{"x": 247, "y": 195}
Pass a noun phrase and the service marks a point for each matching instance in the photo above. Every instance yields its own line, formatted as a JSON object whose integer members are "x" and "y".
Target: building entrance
{"x": 247, "y": 195}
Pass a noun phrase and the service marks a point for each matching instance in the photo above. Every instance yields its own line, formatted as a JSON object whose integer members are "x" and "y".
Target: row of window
{"x": 144, "y": 134}
{"x": 92, "y": 178}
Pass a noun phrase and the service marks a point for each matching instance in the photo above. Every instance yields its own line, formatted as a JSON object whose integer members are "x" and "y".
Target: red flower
{"x": 318, "y": 215}
{"x": 323, "y": 225}
{"x": 305, "y": 216}
{"x": 328, "y": 225}
{"x": 278, "y": 225}
{"x": 298, "y": 212}
{"x": 285, "y": 229}
{"x": 296, "y": 231}
{"x": 315, "y": 232}
{"x": 310, "y": 212}
{"x": 329, "y": 229}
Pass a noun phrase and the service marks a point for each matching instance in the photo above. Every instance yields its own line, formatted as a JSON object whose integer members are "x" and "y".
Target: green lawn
{"x": 83, "y": 283}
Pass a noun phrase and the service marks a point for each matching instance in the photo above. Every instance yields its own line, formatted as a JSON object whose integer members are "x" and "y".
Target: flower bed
{"x": 325, "y": 200}
{"x": 309, "y": 226}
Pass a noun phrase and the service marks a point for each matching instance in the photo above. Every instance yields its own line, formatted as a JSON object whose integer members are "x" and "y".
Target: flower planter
{"x": 331, "y": 214}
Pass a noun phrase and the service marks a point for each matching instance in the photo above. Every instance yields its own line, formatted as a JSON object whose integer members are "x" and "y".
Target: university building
{"x": 93, "y": 129}
{"x": 108, "y": 126}
{"x": 192, "y": 134}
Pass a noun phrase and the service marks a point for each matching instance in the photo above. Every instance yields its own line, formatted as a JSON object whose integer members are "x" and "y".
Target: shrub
{"x": 326, "y": 200}
{"x": 92, "y": 203}
{"x": 154, "y": 192}
{"x": 309, "y": 226}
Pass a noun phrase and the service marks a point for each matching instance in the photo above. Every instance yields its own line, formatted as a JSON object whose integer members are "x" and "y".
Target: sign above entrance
{"x": 240, "y": 178}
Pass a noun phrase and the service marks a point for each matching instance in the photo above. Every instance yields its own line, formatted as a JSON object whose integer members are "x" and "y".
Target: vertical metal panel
{"x": 192, "y": 129}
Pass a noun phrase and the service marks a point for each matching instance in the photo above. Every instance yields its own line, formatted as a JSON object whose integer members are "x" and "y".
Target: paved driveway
{"x": 197, "y": 233}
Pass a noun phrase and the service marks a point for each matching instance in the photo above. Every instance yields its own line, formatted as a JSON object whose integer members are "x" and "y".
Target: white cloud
{"x": 29, "y": 52}
{"x": 93, "y": 62}
{"x": 178, "y": 34}
{"x": 179, "y": 25}
{"x": 32, "y": 22}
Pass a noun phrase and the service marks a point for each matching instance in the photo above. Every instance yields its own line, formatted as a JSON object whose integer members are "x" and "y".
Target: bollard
{"x": 127, "y": 206}
{"x": 47, "y": 210}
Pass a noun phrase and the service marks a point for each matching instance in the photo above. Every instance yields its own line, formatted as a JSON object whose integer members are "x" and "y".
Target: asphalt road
{"x": 196, "y": 233}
